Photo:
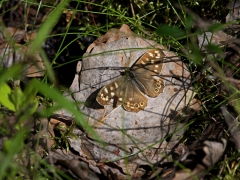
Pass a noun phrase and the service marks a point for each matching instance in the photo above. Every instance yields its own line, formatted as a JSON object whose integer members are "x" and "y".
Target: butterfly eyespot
{"x": 136, "y": 105}
{"x": 156, "y": 90}
{"x": 158, "y": 85}
{"x": 141, "y": 104}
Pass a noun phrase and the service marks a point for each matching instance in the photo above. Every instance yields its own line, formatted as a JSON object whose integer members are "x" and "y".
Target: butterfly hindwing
{"x": 124, "y": 91}
{"x": 131, "y": 97}
{"x": 149, "y": 85}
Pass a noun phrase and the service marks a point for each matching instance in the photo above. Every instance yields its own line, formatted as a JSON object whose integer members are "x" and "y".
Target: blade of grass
{"x": 66, "y": 104}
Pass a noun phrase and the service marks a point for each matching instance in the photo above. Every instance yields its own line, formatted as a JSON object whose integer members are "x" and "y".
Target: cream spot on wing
{"x": 158, "y": 54}
{"x": 142, "y": 62}
{"x": 116, "y": 85}
{"x": 112, "y": 94}
{"x": 120, "y": 99}
{"x": 132, "y": 106}
{"x": 106, "y": 99}
{"x": 155, "y": 70}
{"x": 111, "y": 88}
{"x": 150, "y": 54}
{"x": 130, "y": 99}
{"x": 105, "y": 90}
{"x": 156, "y": 66}
{"x": 152, "y": 61}
{"x": 147, "y": 59}
{"x": 101, "y": 95}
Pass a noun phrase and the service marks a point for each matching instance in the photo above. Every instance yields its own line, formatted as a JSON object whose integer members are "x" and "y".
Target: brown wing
{"x": 149, "y": 65}
{"x": 148, "y": 84}
{"x": 125, "y": 92}
{"x": 151, "y": 61}
{"x": 133, "y": 99}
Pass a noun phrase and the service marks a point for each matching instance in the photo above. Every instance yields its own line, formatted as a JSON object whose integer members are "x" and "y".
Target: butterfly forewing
{"x": 151, "y": 61}
{"x": 149, "y": 65}
{"x": 110, "y": 91}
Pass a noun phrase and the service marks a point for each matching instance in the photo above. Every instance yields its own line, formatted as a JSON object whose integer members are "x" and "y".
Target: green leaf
{"x": 29, "y": 94}
{"x": 5, "y": 91}
{"x": 50, "y": 72}
{"x": 165, "y": 30}
{"x": 189, "y": 22}
{"x": 16, "y": 97}
{"x": 196, "y": 55}
{"x": 214, "y": 48}
{"x": 11, "y": 148}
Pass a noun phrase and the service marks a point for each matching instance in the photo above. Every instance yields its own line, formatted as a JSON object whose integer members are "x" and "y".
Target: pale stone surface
{"x": 123, "y": 131}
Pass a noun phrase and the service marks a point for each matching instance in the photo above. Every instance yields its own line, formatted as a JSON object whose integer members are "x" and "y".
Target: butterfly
{"x": 141, "y": 78}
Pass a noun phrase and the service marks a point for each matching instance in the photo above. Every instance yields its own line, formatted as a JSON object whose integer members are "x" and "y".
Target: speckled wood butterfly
{"x": 129, "y": 89}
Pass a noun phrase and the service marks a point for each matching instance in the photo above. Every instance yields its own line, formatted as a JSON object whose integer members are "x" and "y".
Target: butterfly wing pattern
{"x": 128, "y": 90}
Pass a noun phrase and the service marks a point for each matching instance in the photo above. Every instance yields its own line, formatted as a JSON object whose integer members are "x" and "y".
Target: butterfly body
{"x": 129, "y": 89}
